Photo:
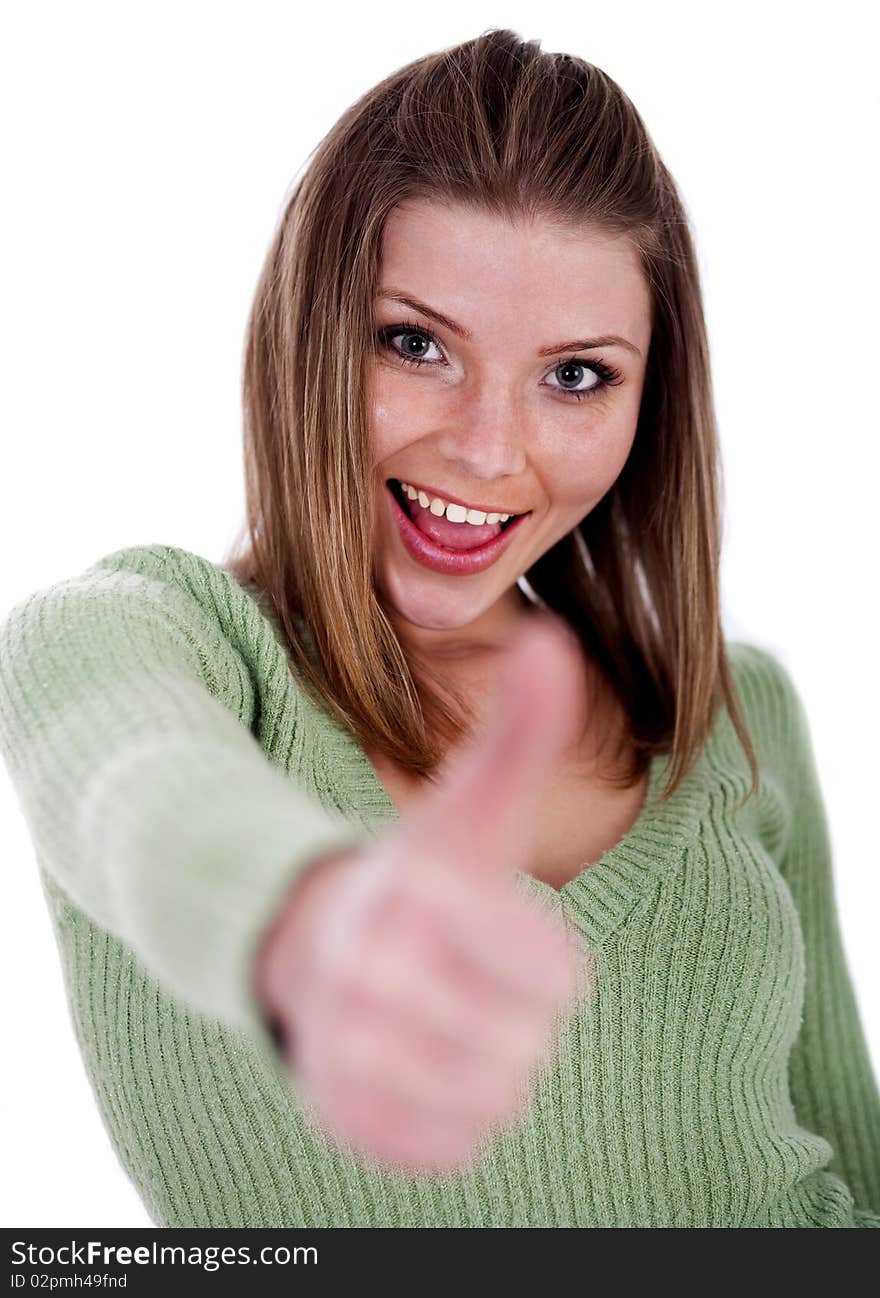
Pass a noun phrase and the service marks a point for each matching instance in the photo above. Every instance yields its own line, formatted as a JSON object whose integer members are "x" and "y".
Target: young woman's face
{"x": 516, "y": 407}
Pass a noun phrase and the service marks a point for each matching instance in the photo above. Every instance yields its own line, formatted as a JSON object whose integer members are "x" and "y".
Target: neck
{"x": 456, "y": 651}
{"x": 466, "y": 660}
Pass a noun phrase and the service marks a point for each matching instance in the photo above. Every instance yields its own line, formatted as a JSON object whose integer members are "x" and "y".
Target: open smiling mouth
{"x": 445, "y": 545}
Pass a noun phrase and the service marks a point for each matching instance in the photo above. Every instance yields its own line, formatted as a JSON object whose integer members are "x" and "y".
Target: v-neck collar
{"x": 598, "y": 900}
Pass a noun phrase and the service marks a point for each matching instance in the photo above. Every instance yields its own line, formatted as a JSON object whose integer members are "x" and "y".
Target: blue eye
{"x": 392, "y": 331}
{"x": 606, "y": 375}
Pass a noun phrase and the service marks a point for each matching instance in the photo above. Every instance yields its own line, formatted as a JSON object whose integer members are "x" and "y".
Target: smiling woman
{"x": 452, "y": 298}
{"x": 481, "y": 416}
{"x": 435, "y": 860}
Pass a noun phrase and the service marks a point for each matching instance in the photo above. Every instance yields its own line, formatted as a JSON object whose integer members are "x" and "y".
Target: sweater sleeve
{"x": 832, "y": 1082}
{"x": 124, "y": 726}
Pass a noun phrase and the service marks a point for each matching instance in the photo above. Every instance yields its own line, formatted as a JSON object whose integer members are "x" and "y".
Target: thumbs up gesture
{"x": 418, "y": 986}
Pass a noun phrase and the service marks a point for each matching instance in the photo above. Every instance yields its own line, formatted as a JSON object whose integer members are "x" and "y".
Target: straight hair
{"x": 519, "y": 133}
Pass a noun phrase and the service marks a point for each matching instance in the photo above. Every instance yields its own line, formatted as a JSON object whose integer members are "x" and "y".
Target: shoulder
{"x": 185, "y": 575}
{"x": 141, "y": 595}
{"x": 772, "y": 701}
{"x": 172, "y": 564}
{"x": 751, "y": 658}
{"x": 137, "y": 568}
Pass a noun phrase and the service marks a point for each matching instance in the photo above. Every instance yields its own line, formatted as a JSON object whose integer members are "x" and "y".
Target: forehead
{"x": 478, "y": 267}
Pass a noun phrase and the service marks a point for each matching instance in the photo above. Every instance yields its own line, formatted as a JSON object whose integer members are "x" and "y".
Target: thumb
{"x": 479, "y": 809}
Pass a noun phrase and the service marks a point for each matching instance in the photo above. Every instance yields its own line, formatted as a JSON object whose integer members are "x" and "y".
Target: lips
{"x": 453, "y": 536}
{"x": 441, "y": 557}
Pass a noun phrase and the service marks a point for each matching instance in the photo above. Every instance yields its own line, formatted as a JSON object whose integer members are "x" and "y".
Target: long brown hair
{"x": 517, "y": 132}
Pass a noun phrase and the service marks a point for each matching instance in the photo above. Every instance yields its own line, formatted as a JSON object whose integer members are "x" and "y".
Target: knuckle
{"x": 389, "y": 956}
{"x": 492, "y": 1099}
{"x": 359, "y": 1051}
{"x": 394, "y": 1132}
{"x": 431, "y": 1143}
{"x": 524, "y": 1042}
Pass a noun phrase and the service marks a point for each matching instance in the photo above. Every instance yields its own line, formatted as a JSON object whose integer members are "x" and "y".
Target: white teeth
{"x": 455, "y": 513}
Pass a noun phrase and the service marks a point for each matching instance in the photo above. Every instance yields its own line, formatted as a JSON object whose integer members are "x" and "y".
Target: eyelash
{"x": 607, "y": 375}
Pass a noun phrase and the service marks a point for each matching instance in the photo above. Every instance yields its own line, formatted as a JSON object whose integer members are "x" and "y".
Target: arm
{"x": 832, "y": 1083}
{"x": 124, "y": 725}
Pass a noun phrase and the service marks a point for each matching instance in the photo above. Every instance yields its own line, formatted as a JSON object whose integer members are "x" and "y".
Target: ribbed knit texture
{"x": 175, "y": 777}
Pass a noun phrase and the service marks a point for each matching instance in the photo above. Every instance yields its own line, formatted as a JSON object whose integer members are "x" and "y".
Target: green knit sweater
{"x": 174, "y": 776}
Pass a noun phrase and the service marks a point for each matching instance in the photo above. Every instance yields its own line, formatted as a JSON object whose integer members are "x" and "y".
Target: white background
{"x": 148, "y": 150}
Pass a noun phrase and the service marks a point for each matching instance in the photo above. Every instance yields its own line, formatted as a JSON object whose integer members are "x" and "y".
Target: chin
{"x": 433, "y": 609}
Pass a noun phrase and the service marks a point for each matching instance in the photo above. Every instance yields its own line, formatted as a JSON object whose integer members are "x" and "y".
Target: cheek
{"x": 588, "y": 460}
{"x": 393, "y": 418}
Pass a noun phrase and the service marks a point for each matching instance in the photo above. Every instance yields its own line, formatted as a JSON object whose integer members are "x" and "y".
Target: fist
{"x": 419, "y": 988}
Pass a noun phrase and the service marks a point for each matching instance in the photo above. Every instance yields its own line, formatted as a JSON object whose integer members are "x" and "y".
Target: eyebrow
{"x": 577, "y": 344}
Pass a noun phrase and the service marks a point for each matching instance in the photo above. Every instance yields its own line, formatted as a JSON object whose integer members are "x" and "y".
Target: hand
{"x": 419, "y": 988}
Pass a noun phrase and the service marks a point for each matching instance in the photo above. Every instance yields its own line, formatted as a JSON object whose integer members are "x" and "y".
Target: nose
{"x": 485, "y": 438}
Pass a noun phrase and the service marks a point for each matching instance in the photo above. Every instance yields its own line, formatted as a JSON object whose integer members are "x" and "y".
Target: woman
{"x": 358, "y": 927}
